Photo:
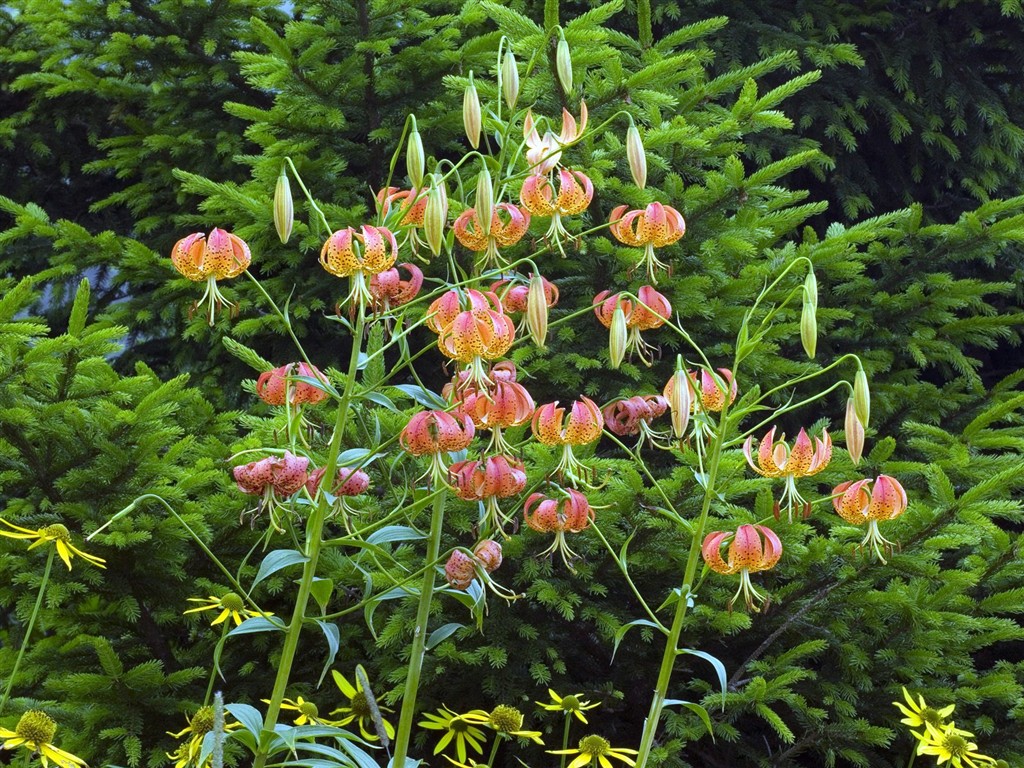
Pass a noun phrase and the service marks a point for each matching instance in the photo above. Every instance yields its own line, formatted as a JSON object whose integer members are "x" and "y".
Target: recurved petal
{"x": 801, "y": 457}
{"x": 575, "y": 191}
{"x": 547, "y": 424}
{"x": 772, "y": 548}
{"x": 536, "y": 195}
{"x": 745, "y": 549}
{"x": 585, "y": 422}
{"x": 888, "y": 499}
{"x": 337, "y": 256}
{"x": 187, "y": 256}
{"x": 469, "y": 232}
{"x": 712, "y": 552}
{"x": 851, "y": 501}
{"x": 766, "y": 456}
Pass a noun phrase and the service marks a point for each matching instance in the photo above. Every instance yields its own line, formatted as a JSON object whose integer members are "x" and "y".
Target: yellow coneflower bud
{"x": 471, "y": 118}
{"x": 563, "y": 63}
{"x": 284, "y": 209}
{"x": 435, "y": 217}
{"x": 617, "y": 337}
{"x": 485, "y": 200}
{"x": 862, "y": 397}
{"x": 636, "y": 156}
{"x": 510, "y": 79}
{"x": 809, "y": 328}
{"x": 537, "y": 311}
{"x": 854, "y": 433}
{"x": 415, "y": 160}
{"x": 680, "y": 402}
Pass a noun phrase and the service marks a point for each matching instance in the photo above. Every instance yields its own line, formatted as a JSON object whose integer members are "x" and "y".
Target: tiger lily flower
{"x": 776, "y": 459}
{"x": 472, "y": 327}
{"x": 753, "y": 548}
{"x": 487, "y": 480}
{"x": 348, "y": 253}
{"x": 434, "y": 433}
{"x": 575, "y": 191}
{"x": 411, "y": 204}
{"x": 504, "y": 405}
{"x": 887, "y": 501}
{"x": 514, "y": 296}
{"x": 347, "y": 482}
{"x": 470, "y": 232}
{"x": 463, "y": 567}
{"x": 633, "y": 416}
{"x": 543, "y": 153}
{"x": 568, "y": 513}
{"x": 273, "y": 478}
{"x": 389, "y": 291}
{"x": 280, "y": 387}
{"x": 654, "y": 227}
{"x": 648, "y": 310}
{"x": 583, "y": 426}
{"x": 219, "y": 256}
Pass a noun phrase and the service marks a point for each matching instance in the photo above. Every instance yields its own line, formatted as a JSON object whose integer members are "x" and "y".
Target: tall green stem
{"x": 668, "y": 659}
{"x": 28, "y": 629}
{"x": 314, "y": 542}
{"x": 419, "y": 639}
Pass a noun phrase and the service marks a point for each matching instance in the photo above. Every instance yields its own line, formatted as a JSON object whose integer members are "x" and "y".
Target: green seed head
{"x": 202, "y": 721}
{"x": 232, "y": 602}
{"x": 506, "y": 719}
{"x": 36, "y": 727}
{"x": 594, "y": 745}
{"x": 57, "y": 532}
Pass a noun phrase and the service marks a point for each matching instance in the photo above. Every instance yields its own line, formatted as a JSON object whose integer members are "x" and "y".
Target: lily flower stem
{"x": 314, "y": 542}
{"x": 419, "y": 639}
{"x": 668, "y": 659}
{"x": 913, "y": 757}
{"x": 28, "y": 629}
{"x": 494, "y": 750}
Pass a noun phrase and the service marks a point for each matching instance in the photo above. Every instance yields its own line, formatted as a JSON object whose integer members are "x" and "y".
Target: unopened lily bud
{"x": 854, "y": 433}
{"x": 485, "y": 201}
{"x": 415, "y": 160}
{"x": 284, "y": 209}
{"x": 809, "y": 329}
{"x": 680, "y": 402}
{"x": 510, "y": 79}
{"x": 617, "y": 337}
{"x": 563, "y": 63}
{"x": 435, "y": 217}
{"x": 537, "y": 311}
{"x": 811, "y": 289}
{"x": 471, "y": 119}
{"x": 862, "y": 397}
{"x": 636, "y": 156}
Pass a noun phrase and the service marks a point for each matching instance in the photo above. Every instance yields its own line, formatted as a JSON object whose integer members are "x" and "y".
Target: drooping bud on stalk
{"x": 680, "y": 401}
{"x": 563, "y": 63}
{"x": 811, "y": 288}
{"x": 862, "y": 397}
{"x": 537, "y": 311}
{"x": 510, "y": 79}
{"x": 636, "y": 155}
{"x": 415, "y": 160}
{"x": 435, "y": 216}
{"x": 617, "y": 337}
{"x": 809, "y": 328}
{"x": 485, "y": 201}
{"x": 471, "y": 119}
{"x": 854, "y": 433}
{"x": 284, "y": 209}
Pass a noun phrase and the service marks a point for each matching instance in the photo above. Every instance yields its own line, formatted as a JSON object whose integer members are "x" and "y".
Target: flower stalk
{"x": 28, "y": 629}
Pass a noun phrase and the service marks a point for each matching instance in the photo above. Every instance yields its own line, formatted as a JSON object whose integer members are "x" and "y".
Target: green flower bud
{"x": 485, "y": 200}
{"x": 636, "y": 156}
{"x": 435, "y": 217}
{"x": 862, "y": 397}
{"x": 617, "y": 337}
{"x": 563, "y": 63}
{"x": 415, "y": 160}
{"x": 510, "y": 79}
{"x": 284, "y": 208}
{"x": 471, "y": 118}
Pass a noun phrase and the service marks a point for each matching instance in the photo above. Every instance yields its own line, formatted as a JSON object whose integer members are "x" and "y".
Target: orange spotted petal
{"x": 536, "y": 196}
{"x": 227, "y": 255}
{"x": 652, "y": 312}
{"x": 575, "y": 191}
{"x": 469, "y": 232}
{"x": 772, "y": 548}
{"x": 888, "y": 499}
{"x": 511, "y": 232}
{"x": 712, "y": 552}
{"x": 337, "y": 256}
{"x": 851, "y": 501}
{"x": 585, "y": 423}
{"x": 547, "y": 424}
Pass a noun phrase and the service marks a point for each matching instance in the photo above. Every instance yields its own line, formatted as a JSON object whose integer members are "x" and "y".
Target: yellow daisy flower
{"x": 595, "y": 750}
{"x": 56, "y": 533}
{"x": 572, "y": 704}
{"x": 506, "y": 720}
{"x": 361, "y": 707}
{"x": 949, "y": 743}
{"x": 459, "y": 728}
{"x": 34, "y": 732}
{"x": 919, "y": 714}
{"x": 231, "y": 605}
{"x": 309, "y": 714}
{"x": 200, "y": 724}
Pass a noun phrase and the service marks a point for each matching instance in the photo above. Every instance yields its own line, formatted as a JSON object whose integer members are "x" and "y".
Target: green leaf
{"x": 695, "y": 708}
{"x": 255, "y": 625}
{"x": 321, "y": 589}
{"x": 275, "y": 561}
{"x": 248, "y": 716}
{"x": 719, "y": 667}
{"x": 333, "y": 635}
{"x": 442, "y": 633}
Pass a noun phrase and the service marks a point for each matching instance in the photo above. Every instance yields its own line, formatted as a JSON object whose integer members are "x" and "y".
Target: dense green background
{"x": 776, "y": 128}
